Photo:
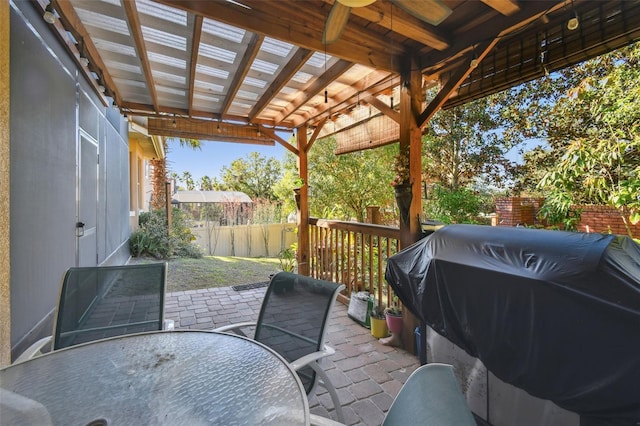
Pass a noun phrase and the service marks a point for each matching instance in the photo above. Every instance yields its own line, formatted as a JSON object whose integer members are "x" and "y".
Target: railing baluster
{"x": 353, "y": 253}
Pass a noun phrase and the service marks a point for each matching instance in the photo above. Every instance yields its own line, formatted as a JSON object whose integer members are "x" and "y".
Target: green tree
{"x": 465, "y": 144}
{"x": 600, "y": 158}
{"x": 188, "y": 180}
{"x": 254, "y": 175}
{"x": 342, "y": 187}
{"x": 459, "y": 205}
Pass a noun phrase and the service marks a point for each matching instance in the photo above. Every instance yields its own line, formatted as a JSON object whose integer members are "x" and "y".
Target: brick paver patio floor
{"x": 367, "y": 375}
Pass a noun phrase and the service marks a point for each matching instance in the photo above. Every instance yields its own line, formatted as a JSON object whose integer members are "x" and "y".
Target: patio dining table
{"x": 178, "y": 377}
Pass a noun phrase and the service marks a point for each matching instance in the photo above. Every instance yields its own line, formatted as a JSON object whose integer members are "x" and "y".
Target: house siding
{"x": 50, "y": 107}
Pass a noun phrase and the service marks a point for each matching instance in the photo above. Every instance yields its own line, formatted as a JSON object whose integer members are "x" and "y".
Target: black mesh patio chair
{"x": 292, "y": 321}
{"x": 106, "y": 301}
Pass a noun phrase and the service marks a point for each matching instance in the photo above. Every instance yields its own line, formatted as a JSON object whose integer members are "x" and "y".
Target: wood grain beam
{"x": 179, "y": 127}
{"x": 383, "y": 108}
{"x": 315, "y": 87}
{"x": 374, "y": 83}
{"x": 253, "y": 48}
{"x": 274, "y": 18}
{"x": 296, "y": 62}
{"x": 193, "y": 60}
{"x": 271, "y": 133}
{"x": 499, "y": 27}
{"x": 505, "y": 7}
{"x": 403, "y": 23}
{"x": 454, "y": 82}
{"x": 136, "y": 32}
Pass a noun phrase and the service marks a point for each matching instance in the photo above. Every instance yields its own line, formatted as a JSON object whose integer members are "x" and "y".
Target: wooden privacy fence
{"x": 354, "y": 254}
{"x": 258, "y": 240}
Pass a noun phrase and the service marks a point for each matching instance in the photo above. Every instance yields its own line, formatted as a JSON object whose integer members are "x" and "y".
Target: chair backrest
{"x": 294, "y": 316}
{"x": 105, "y": 301}
{"x": 430, "y": 396}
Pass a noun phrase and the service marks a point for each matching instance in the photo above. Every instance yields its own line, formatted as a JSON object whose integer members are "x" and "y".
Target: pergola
{"x": 241, "y": 70}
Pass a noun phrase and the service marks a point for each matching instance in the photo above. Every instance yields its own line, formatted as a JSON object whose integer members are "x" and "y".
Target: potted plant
{"x": 298, "y": 183}
{"x": 287, "y": 258}
{"x": 393, "y": 318}
{"x": 402, "y": 183}
{"x": 378, "y": 323}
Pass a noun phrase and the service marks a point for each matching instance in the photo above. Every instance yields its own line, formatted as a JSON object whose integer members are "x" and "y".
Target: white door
{"x": 87, "y": 201}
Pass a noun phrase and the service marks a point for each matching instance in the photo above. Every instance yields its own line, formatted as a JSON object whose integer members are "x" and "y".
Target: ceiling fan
{"x": 430, "y": 11}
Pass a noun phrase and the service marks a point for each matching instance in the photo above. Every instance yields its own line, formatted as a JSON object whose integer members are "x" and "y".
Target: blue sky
{"x": 213, "y": 155}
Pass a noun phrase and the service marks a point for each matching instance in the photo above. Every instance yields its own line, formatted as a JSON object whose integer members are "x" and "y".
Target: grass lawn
{"x": 215, "y": 271}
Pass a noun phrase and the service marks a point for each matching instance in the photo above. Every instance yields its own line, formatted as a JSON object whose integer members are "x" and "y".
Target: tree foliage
{"x": 343, "y": 186}
{"x": 254, "y": 175}
{"x": 465, "y": 144}
{"x": 589, "y": 118}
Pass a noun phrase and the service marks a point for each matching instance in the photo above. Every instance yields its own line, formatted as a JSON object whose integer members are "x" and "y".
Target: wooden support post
{"x": 303, "y": 211}
{"x": 411, "y": 137}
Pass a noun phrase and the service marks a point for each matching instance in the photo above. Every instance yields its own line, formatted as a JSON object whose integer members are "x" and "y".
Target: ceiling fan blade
{"x": 430, "y": 11}
{"x": 336, "y": 21}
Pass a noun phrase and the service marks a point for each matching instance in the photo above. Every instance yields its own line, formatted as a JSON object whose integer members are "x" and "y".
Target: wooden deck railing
{"x": 354, "y": 254}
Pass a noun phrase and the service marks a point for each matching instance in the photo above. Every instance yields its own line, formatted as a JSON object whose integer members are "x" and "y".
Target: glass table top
{"x": 179, "y": 377}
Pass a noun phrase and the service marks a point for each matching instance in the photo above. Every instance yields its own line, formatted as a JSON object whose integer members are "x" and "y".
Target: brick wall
{"x": 512, "y": 211}
{"x": 604, "y": 219}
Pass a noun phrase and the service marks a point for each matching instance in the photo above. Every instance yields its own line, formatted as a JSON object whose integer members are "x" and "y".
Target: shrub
{"x": 453, "y": 206}
{"x": 151, "y": 238}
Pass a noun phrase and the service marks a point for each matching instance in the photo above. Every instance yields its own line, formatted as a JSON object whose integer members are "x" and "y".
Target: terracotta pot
{"x": 379, "y": 327}
{"x": 394, "y": 323}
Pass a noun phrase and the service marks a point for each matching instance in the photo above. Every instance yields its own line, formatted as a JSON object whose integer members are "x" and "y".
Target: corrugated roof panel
{"x": 302, "y": 77}
{"x": 242, "y": 105}
{"x": 130, "y": 83}
{"x": 110, "y": 46}
{"x": 170, "y": 90}
{"x": 264, "y": 66}
{"x": 276, "y": 47}
{"x": 208, "y": 86}
{"x": 170, "y": 77}
{"x": 123, "y": 67}
{"x": 161, "y": 11}
{"x": 98, "y": 20}
{"x": 318, "y": 59}
{"x": 205, "y": 98}
{"x": 216, "y": 53}
{"x": 286, "y": 90}
{"x": 164, "y": 38}
{"x": 255, "y": 82}
{"x": 212, "y": 72}
{"x": 247, "y": 95}
{"x": 167, "y": 60}
{"x": 224, "y": 31}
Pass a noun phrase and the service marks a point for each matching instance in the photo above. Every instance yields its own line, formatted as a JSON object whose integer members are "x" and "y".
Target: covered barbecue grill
{"x": 554, "y": 313}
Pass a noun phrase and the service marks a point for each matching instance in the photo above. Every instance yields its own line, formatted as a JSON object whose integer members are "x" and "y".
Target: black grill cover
{"x": 554, "y": 313}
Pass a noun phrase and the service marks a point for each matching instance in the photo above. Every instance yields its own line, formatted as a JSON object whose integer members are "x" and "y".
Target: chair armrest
{"x": 235, "y": 327}
{"x": 317, "y": 420}
{"x": 309, "y": 358}
{"x": 34, "y": 350}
